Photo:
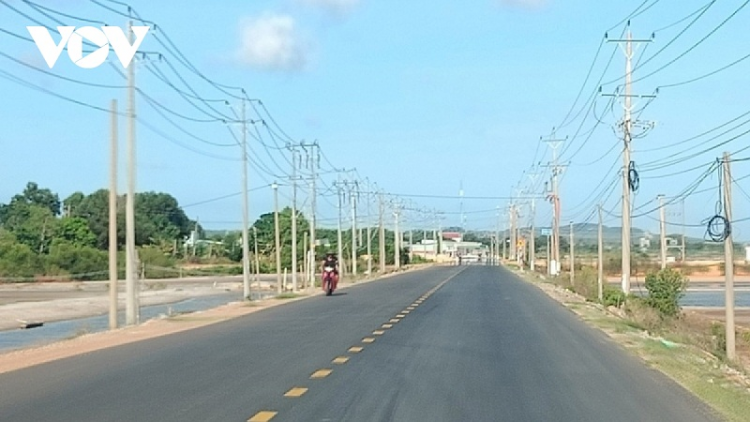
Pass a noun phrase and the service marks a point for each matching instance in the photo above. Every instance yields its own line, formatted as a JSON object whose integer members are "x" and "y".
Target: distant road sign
{"x": 546, "y": 232}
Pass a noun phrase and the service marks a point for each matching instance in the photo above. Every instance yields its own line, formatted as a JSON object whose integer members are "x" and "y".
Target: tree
{"x": 158, "y": 218}
{"x": 32, "y": 225}
{"x": 17, "y": 259}
{"x": 266, "y": 235}
{"x": 33, "y": 195}
{"x": 72, "y": 202}
{"x": 75, "y": 230}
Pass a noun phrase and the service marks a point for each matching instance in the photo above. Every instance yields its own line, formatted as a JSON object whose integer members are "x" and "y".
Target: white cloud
{"x": 272, "y": 42}
{"x": 524, "y": 4}
{"x": 337, "y": 7}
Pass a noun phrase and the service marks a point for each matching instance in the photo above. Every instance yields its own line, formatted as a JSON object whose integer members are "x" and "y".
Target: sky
{"x": 424, "y": 99}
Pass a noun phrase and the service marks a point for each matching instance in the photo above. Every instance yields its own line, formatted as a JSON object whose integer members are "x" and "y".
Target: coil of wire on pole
{"x": 719, "y": 227}
{"x": 634, "y": 179}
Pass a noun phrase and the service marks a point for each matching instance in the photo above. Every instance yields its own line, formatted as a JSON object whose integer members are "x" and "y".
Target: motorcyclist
{"x": 331, "y": 261}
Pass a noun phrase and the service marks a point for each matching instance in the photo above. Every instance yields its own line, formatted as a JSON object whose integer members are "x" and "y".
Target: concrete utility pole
{"x": 369, "y": 233}
{"x": 532, "y": 239}
{"x": 627, "y": 126}
{"x": 113, "y": 220}
{"x": 397, "y": 238}
{"x": 499, "y": 239}
{"x": 572, "y": 256}
{"x": 729, "y": 261}
{"x": 277, "y": 236}
{"x": 353, "y": 200}
{"x": 554, "y": 197}
{"x": 505, "y": 243}
{"x": 600, "y": 263}
{"x": 293, "y": 148}
{"x": 305, "y": 267}
{"x": 245, "y": 213}
{"x": 381, "y": 234}
{"x": 314, "y": 163}
{"x": 340, "y": 236}
{"x": 512, "y": 218}
{"x": 662, "y": 233}
{"x": 131, "y": 308}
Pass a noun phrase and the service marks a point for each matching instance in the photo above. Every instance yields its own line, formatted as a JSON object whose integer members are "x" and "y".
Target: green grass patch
{"x": 288, "y": 296}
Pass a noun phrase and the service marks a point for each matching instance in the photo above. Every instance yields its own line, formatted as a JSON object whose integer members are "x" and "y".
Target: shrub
{"x": 612, "y": 296}
{"x": 665, "y": 289}
{"x": 80, "y": 262}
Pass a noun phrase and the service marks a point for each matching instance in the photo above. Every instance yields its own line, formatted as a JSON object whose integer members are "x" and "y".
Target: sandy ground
{"x": 72, "y": 305}
{"x": 63, "y": 308}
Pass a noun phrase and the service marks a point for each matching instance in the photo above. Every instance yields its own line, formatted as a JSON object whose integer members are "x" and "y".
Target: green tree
{"x": 33, "y": 195}
{"x": 82, "y": 262}
{"x": 76, "y": 231}
{"x": 32, "y": 225}
{"x": 158, "y": 217}
{"x": 17, "y": 259}
{"x": 266, "y": 235}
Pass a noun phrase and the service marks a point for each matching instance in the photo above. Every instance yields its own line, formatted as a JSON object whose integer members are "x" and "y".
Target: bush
{"x": 612, "y": 296}
{"x": 665, "y": 289}
{"x": 586, "y": 283}
{"x": 81, "y": 262}
{"x": 18, "y": 260}
{"x": 643, "y": 315}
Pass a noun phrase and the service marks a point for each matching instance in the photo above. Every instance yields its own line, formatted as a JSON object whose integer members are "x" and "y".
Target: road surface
{"x": 483, "y": 346}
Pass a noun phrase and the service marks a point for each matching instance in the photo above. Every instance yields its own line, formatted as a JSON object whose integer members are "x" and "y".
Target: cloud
{"x": 272, "y": 42}
{"x": 335, "y": 7}
{"x": 524, "y": 4}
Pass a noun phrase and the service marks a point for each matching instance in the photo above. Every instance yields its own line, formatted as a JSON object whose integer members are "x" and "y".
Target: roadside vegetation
{"x": 45, "y": 239}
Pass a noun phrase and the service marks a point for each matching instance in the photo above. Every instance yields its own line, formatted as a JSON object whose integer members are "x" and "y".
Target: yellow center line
{"x": 355, "y": 349}
{"x": 368, "y": 340}
{"x": 378, "y": 332}
{"x": 341, "y": 360}
{"x": 296, "y": 392}
{"x": 263, "y": 416}
{"x": 321, "y": 373}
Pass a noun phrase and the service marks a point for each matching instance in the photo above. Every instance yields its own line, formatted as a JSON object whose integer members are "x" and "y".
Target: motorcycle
{"x": 329, "y": 280}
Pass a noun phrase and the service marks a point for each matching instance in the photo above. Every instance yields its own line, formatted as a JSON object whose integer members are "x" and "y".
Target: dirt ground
{"x": 48, "y": 302}
{"x": 86, "y": 343}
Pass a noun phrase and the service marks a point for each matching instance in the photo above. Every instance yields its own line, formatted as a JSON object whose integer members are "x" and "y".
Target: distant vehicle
{"x": 469, "y": 258}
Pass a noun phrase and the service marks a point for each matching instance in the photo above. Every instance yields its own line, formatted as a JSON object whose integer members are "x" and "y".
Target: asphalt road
{"x": 483, "y": 347}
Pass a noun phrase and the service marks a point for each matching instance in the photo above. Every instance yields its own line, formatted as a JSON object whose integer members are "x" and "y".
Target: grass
{"x": 288, "y": 296}
{"x": 696, "y": 369}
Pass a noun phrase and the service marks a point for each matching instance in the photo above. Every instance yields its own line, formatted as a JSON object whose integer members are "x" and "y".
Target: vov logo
{"x": 103, "y": 38}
